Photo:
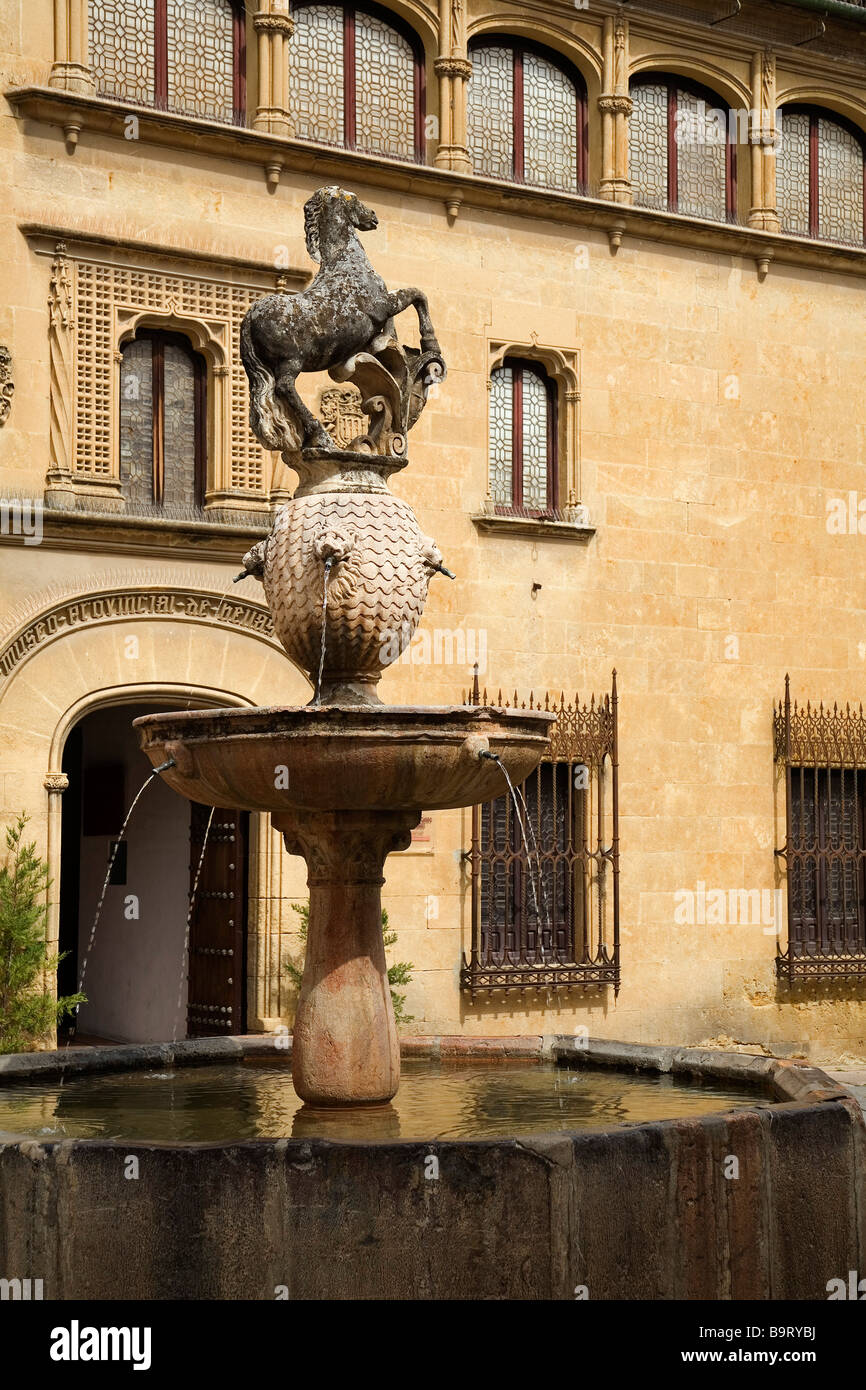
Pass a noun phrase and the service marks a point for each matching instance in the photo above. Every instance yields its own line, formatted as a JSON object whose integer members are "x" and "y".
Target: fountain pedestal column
{"x": 345, "y": 1049}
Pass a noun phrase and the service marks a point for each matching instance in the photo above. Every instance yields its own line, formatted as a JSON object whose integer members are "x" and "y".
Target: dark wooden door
{"x": 217, "y": 958}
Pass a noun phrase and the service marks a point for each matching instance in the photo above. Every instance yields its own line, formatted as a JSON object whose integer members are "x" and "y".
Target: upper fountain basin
{"x": 344, "y": 758}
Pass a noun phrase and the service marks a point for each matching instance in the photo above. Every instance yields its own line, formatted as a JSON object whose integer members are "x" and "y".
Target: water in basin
{"x": 254, "y": 1099}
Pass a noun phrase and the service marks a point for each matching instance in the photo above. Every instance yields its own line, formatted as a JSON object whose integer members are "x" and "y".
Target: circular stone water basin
{"x": 254, "y": 1099}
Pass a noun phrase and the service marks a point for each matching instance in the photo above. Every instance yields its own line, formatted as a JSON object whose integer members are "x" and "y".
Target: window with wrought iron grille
{"x": 545, "y": 863}
{"x": 823, "y": 754}
{"x": 523, "y": 439}
{"x": 682, "y": 149}
{"x": 163, "y": 423}
{"x": 187, "y": 56}
{"x": 526, "y": 116}
{"x": 820, "y": 174}
{"x": 357, "y": 80}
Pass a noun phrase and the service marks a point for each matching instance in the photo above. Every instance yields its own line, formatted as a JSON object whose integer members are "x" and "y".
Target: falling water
{"x": 547, "y": 922}
{"x": 185, "y": 953}
{"x": 328, "y": 564}
{"x": 116, "y": 846}
{"x": 107, "y": 879}
{"x": 495, "y": 758}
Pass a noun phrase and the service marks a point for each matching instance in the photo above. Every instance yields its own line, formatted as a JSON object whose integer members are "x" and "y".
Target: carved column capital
{"x": 273, "y": 23}
{"x": 345, "y": 847}
{"x": 617, "y": 103}
{"x": 56, "y": 782}
{"x": 453, "y": 67}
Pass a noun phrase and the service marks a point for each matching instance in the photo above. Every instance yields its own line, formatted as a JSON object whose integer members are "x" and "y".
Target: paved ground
{"x": 854, "y": 1080}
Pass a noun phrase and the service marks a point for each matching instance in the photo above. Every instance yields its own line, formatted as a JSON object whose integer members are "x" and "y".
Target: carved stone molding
{"x": 341, "y": 414}
{"x": 56, "y": 782}
{"x": 453, "y": 67}
{"x": 61, "y": 324}
{"x": 619, "y": 104}
{"x": 99, "y": 301}
{"x": 344, "y": 847}
{"x": 7, "y": 385}
{"x": 46, "y": 620}
{"x": 274, "y": 24}
{"x": 563, "y": 366}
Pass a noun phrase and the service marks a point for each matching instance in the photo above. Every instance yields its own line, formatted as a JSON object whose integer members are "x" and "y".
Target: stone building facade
{"x": 642, "y": 237}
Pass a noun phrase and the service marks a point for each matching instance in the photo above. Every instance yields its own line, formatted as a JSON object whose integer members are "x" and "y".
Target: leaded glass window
{"x": 122, "y": 48}
{"x": 682, "y": 155}
{"x": 526, "y": 117}
{"x": 357, "y": 79}
{"x": 162, "y": 422}
{"x": 201, "y": 57}
{"x": 820, "y": 177}
{"x": 183, "y": 55}
{"x": 522, "y": 458}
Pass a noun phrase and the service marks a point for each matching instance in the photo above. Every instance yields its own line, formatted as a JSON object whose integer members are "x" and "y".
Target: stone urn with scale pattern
{"x": 345, "y": 570}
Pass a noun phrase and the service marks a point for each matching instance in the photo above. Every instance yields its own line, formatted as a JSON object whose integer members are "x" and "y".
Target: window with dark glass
{"x": 357, "y": 79}
{"x": 544, "y": 862}
{"x": 826, "y": 850}
{"x": 526, "y": 116}
{"x": 820, "y": 171}
{"x": 523, "y": 436}
{"x": 162, "y": 421}
{"x": 180, "y": 55}
{"x": 682, "y": 149}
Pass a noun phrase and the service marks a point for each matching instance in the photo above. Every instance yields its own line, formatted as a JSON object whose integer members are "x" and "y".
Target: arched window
{"x": 526, "y": 116}
{"x": 682, "y": 149}
{"x": 163, "y": 421}
{"x": 357, "y": 79}
{"x": 523, "y": 434}
{"x": 180, "y": 55}
{"x": 820, "y": 176}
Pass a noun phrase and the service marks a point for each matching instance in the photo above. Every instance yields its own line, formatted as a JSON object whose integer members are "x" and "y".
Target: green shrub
{"x": 399, "y": 974}
{"x": 26, "y": 1013}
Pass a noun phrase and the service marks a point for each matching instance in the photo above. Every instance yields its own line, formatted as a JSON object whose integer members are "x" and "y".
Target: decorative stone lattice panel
{"x": 105, "y": 296}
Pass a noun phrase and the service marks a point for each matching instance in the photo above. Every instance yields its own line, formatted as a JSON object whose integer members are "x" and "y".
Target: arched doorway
{"x": 143, "y": 981}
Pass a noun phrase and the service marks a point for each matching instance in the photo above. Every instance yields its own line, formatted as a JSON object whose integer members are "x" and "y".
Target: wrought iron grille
{"x": 546, "y": 915}
{"x": 823, "y": 752}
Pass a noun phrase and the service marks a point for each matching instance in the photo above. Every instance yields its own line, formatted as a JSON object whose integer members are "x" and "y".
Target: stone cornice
{"x": 330, "y": 164}
{"x": 164, "y": 538}
{"x": 46, "y": 235}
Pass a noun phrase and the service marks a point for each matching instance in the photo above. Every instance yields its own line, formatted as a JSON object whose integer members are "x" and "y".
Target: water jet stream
{"x": 184, "y": 958}
{"x": 495, "y": 758}
{"x": 328, "y": 564}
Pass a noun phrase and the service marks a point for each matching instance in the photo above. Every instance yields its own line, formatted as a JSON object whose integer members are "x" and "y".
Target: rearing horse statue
{"x": 346, "y": 310}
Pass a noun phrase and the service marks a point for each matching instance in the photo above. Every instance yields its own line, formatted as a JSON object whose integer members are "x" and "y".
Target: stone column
{"x": 453, "y": 69}
{"x": 344, "y": 1045}
{"x": 60, "y": 489}
{"x": 56, "y": 783}
{"x": 274, "y": 27}
{"x": 763, "y": 213}
{"x": 70, "y": 70}
{"x": 615, "y": 106}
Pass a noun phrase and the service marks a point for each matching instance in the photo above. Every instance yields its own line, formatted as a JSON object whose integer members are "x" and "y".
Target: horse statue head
{"x": 329, "y": 214}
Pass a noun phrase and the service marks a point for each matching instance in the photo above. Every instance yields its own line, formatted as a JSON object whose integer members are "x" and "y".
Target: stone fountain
{"x": 345, "y": 572}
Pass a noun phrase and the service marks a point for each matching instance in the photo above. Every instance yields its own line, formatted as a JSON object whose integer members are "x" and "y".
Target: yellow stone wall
{"x": 719, "y": 412}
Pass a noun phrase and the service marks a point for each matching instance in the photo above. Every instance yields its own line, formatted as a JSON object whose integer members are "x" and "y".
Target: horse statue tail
{"x": 268, "y": 422}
